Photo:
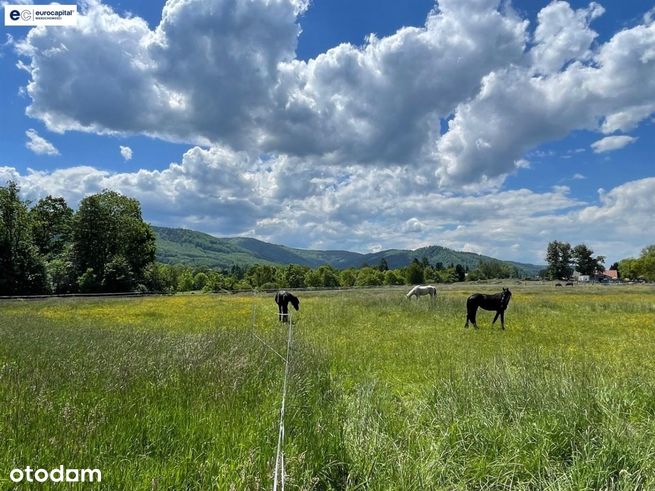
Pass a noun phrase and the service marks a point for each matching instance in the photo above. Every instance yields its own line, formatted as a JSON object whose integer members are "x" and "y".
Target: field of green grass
{"x": 174, "y": 393}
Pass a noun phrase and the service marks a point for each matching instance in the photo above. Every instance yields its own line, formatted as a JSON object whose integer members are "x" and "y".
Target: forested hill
{"x": 181, "y": 246}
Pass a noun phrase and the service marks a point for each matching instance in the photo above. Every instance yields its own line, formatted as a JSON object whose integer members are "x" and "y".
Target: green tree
{"x": 118, "y": 275}
{"x": 487, "y": 270}
{"x": 61, "y": 273}
{"x": 294, "y": 276}
{"x": 448, "y": 275}
{"x": 559, "y": 259}
{"x": 200, "y": 280}
{"x": 313, "y": 278}
{"x": 628, "y": 269}
{"x": 242, "y": 285}
{"x": 647, "y": 263}
{"x": 185, "y": 282}
{"x": 641, "y": 268}
{"x": 22, "y": 269}
{"x": 460, "y": 272}
{"x": 108, "y": 225}
{"x": 237, "y": 272}
{"x": 323, "y": 276}
{"x": 160, "y": 277}
{"x": 392, "y": 277}
{"x": 329, "y": 276}
{"x": 262, "y": 274}
{"x": 383, "y": 266}
{"x": 585, "y": 262}
{"x": 217, "y": 282}
{"x": 431, "y": 275}
{"x": 415, "y": 273}
{"x": 52, "y": 225}
{"x": 347, "y": 278}
{"x": 369, "y": 277}
{"x": 88, "y": 281}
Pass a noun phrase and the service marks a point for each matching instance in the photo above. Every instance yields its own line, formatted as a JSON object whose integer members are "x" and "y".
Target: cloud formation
{"x": 224, "y": 192}
{"x": 610, "y": 143}
{"x": 38, "y": 144}
{"x": 224, "y": 72}
{"x": 126, "y": 152}
{"x": 414, "y": 132}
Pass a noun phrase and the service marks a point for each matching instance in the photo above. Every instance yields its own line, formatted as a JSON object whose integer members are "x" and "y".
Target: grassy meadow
{"x": 177, "y": 392}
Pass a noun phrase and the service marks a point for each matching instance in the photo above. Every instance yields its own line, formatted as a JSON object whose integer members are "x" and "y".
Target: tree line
{"x": 563, "y": 259}
{"x": 641, "y": 268}
{"x": 180, "y": 278}
{"x": 105, "y": 246}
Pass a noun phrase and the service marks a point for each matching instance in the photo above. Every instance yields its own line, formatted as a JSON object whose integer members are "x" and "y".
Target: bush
{"x": 88, "y": 282}
{"x": 118, "y": 275}
{"x": 369, "y": 277}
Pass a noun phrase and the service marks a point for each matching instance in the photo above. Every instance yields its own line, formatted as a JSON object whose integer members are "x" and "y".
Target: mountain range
{"x": 182, "y": 246}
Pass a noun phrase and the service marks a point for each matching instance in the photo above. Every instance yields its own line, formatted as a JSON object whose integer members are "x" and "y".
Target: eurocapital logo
{"x": 40, "y": 15}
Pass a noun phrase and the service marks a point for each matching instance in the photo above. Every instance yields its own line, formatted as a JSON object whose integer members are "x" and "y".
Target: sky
{"x": 481, "y": 125}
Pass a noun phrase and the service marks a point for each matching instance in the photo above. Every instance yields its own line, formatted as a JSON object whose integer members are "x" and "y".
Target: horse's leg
{"x": 502, "y": 319}
{"x": 279, "y": 311}
{"x": 285, "y": 312}
{"x": 470, "y": 315}
{"x": 496, "y": 318}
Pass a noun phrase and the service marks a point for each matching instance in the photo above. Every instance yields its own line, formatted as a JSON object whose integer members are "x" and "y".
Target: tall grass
{"x": 153, "y": 406}
{"x": 177, "y": 392}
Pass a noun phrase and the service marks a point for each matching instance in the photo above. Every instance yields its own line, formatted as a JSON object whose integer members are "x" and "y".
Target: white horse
{"x": 420, "y": 290}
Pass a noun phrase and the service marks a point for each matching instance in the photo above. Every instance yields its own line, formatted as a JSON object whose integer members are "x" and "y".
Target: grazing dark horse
{"x": 497, "y": 302}
{"x": 282, "y": 299}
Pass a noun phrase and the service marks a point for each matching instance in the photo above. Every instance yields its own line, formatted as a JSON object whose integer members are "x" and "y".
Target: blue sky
{"x": 480, "y": 125}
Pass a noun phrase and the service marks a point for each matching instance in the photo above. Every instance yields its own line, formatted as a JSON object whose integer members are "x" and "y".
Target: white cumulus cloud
{"x": 224, "y": 192}
{"x": 126, "y": 152}
{"x": 235, "y": 81}
{"x": 402, "y": 141}
{"x": 38, "y": 144}
{"x": 610, "y": 143}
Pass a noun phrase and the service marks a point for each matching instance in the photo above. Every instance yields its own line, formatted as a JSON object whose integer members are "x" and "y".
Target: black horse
{"x": 282, "y": 299}
{"x": 497, "y": 302}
